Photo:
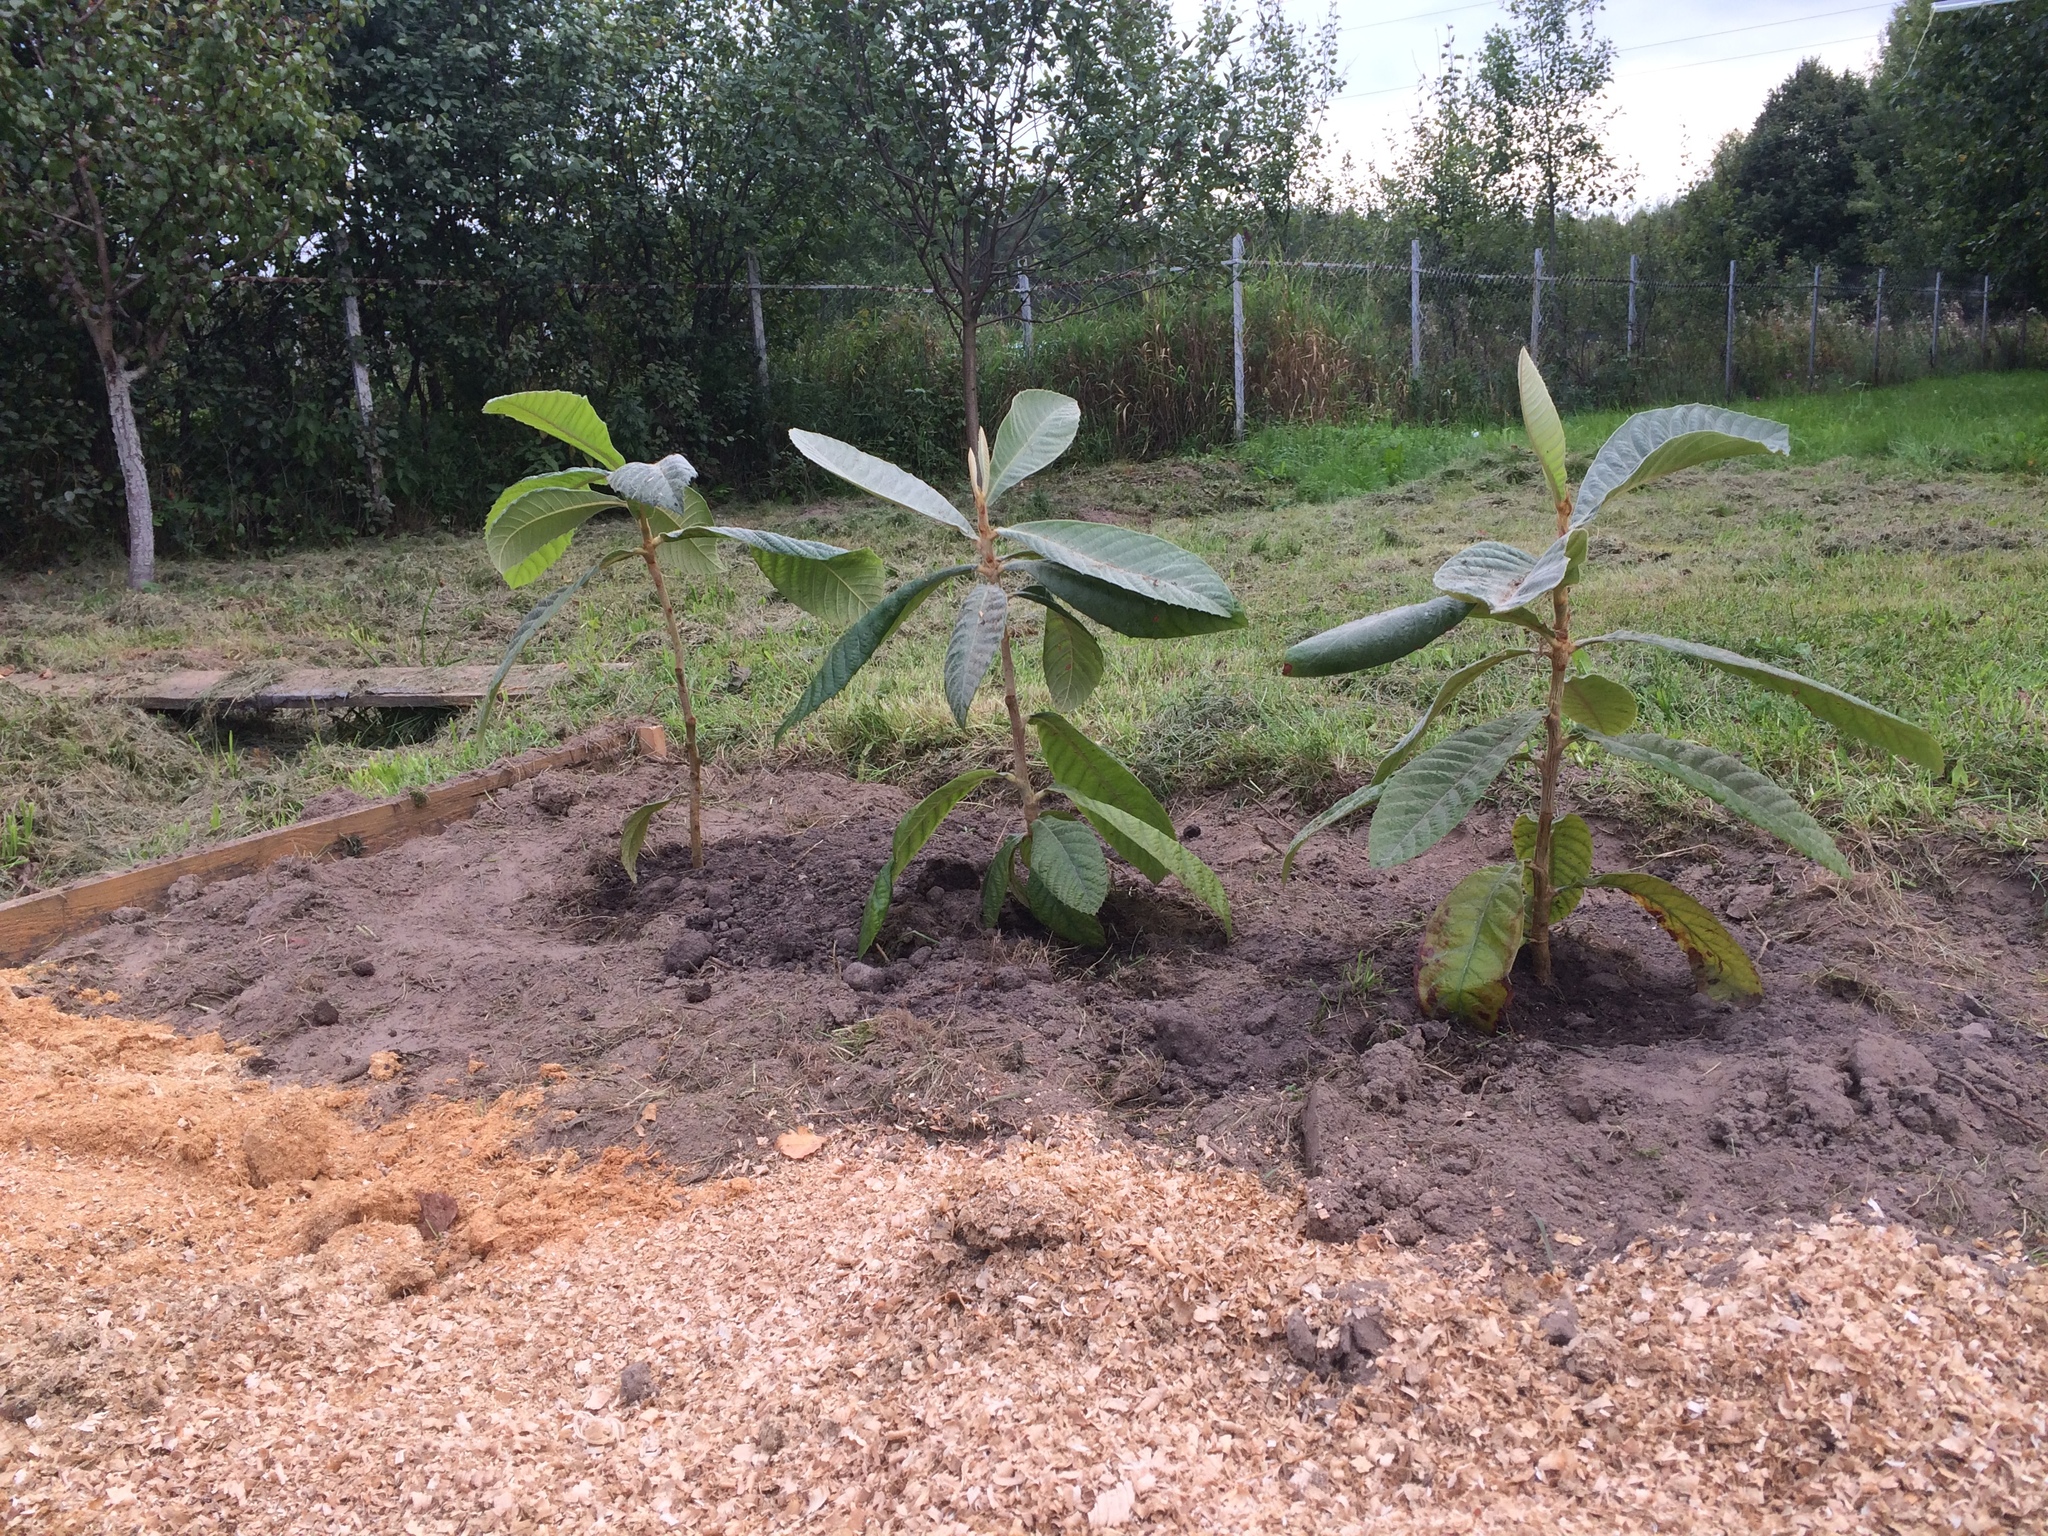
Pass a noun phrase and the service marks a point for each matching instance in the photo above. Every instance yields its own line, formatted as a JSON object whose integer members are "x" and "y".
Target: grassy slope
{"x": 1915, "y": 587}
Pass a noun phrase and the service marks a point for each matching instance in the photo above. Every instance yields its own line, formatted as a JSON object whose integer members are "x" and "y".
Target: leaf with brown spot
{"x": 1470, "y": 945}
{"x": 1721, "y": 968}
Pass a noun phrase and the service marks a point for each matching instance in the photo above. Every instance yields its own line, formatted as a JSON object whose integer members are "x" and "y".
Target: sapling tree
{"x": 1126, "y": 581}
{"x": 1418, "y": 795}
{"x": 531, "y": 523}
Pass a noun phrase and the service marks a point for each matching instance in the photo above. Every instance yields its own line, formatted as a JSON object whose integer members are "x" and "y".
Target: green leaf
{"x": 976, "y": 634}
{"x": 1164, "y": 848}
{"x": 1075, "y": 927}
{"x": 1077, "y": 761}
{"x": 1039, "y": 428}
{"x": 1361, "y": 797}
{"x": 1125, "y": 612}
{"x": 1730, "y": 782}
{"x": 560, "y": 480}
{"x": 1070, "y": 655}
{"x": 1844, "y": 711}
{"x": 1576, "y": 544}
{"x": 1539, "y": 420}
{"x": 912, "y": 833}
{"x": 1721, "y": 968}
{"x": 533, "y": 532}
{"x": 1375, "y": 641}
{"x": 1137, "y": 562}
{"x": 690, "y": 555}
{"x": 995, "y": 885}
{"x": 1599, "y": 703}
{"x": 660, "y": 486}
{"x": 1066, "y": 856}
{"x": 853, "y": 649}
{"x": 1652, "y": 444}
{"x": 1469, "y": 947}
{"x": 1453, "y": 685}
{"x": 560, "y": 414}
{"x": 1489, "y": 573}
{"x": 1430, "y": 795}
{"x": 1571, "y": 860}
{"x": 537, "y": 618}
{"x": 878, "y": 477}
{"x": 834, "y": 584}
{"x": 633, "y": 835}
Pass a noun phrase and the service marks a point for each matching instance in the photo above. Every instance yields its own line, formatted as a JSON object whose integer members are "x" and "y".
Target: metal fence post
{"x": 1536, "y": 305}
{"x": 1984, "y": 325}
{"x": 1728, "y": 349}
{"x": 1024, "y": 310}
{"x": 1877, "y": 333}
{"x": 1628, "y": 345}
{"x": 1237, "y": 329}
{"x": 1934, "y": 338}
{"x": 1813, "y": 329}
{"x": 760, "y": 327}
{"x": 1415, "y": 310}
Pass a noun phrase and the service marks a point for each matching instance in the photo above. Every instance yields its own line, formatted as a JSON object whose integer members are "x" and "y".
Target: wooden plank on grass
{"x": 30, "y": 924}
{"x": 249, "y": 691}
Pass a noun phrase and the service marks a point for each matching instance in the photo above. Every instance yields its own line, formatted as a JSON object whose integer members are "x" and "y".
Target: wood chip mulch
{"x": 887, "y": 1336}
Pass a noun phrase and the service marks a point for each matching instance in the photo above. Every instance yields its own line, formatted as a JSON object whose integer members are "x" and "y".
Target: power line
{"x": 1665, "y": 69}
{"x": 1783, "y": 21}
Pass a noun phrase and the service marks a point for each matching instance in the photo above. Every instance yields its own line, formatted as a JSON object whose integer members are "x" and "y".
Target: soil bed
{"x": 1895, "y": 1060}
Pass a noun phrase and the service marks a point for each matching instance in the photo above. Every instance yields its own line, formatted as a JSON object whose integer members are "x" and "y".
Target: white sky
{"x": 1687, "y": 71}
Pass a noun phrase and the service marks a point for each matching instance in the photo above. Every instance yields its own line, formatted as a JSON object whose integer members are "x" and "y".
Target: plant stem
{"x": 1020, "y": 758}
{"x": 650, "y": 551}
{"x": 1553, "y": 756}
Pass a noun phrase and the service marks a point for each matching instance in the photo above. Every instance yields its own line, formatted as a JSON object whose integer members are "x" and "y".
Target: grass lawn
{"x": 1901, "y": 555}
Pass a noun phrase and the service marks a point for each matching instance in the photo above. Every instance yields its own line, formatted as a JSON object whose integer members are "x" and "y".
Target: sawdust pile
{"x": 889, "y": 1336}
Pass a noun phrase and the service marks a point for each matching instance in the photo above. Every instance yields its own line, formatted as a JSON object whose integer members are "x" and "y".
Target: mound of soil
{"x": 701, "y": 1013}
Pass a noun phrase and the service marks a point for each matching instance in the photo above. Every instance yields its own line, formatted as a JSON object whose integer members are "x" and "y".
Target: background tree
{"x": 1538, "y": 86}
{"x": 1060, "y": 128}
{"x": 1798, "y": 178}
{"x": 148, "y": 150}
{"x": 1439, "y": 187}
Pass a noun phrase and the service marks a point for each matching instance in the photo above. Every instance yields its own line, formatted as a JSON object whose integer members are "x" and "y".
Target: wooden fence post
{"x": 1934, "y": 338}
{"x": 1237, "y": 329}
{"x": 1813, "y": 329}
{"x": 1536, "y": 305}
{"x": 1877, "y": 334}
{"x": 1415, "y": 310}
{"x": 760, "y": 329}
{"x": 1728, "y": 349}
{"x": 1024, "y": 310}
{"x": 1628, "y": 346}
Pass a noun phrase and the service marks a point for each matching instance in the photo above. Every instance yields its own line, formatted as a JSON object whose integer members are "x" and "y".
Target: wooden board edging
{"x": 30, "y": 924}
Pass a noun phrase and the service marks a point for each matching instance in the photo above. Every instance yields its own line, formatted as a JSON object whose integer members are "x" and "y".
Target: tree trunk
{"x": 120, "y": 381}
{"x": 970, "y": 371}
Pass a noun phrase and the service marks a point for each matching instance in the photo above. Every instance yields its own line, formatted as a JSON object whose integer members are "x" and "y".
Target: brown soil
{"x": 232, "y": 1305}
{"x": 1896, "y": 1063}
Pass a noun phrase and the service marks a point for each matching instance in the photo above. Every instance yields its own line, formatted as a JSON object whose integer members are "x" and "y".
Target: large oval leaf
{"x": 1429, "y": 796}
{"x": 1126, "y": 612}
{"x": 1469, "y": 946}
{"x": 1721, "y": 968}
{"x": 1374, "y": 641}
{"x": 837, "y": 585}
{"x": 1071, "y": 658}
{"x": 1488, "y": 572}
{"x": 878, "y": 477}
{"x": 1453, "y": 685}
{"x": 559, "y": 480}
{"x": 1539, "y": 420}
{"x": 1652, "y": 444}
{"x": 912, "y": 833}
{"x": 1074, "y": 926}
{"x": 564, "y": 415}
{"x": 1571, "y": 860}
{"x": 1066, "y": 857}
{"x": 1137, "y": 562}
{"x": 995, "y": 884}
{"x": 531, "y": 534}
{"x": 1039, "y": 428}
{"x": 651, "y": 485}
{"x": 1164, "y": 848}
{"x": 862, "y": 639}
{"x": 1730, "y": 782}
{"x": 1844, "y": 711}
{"x": 977, "y": 632}
{"x": 1599, "y": 703}
{"x": 1079, "y": 762}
